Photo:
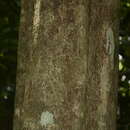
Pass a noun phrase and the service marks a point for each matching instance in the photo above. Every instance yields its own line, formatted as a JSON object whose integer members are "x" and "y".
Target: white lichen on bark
{"x": 110, "y": 45}
{"x": 110, "y": 41}
{"x": 47, "y": 118}
{"x": 36, "y": 20}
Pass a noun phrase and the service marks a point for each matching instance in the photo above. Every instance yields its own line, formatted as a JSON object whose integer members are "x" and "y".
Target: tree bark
{"x": 67, "y": 65}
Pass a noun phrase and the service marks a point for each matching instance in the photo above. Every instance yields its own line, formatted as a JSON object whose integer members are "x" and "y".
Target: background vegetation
{"x": 9, "y": 19}
{"x": 9, "y": 22}
{"x": 124, "y": 67}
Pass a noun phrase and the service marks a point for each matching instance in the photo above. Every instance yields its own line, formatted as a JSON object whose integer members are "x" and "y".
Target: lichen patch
{"x": 110, "y": 41}
{"x": 36, "y": 20}
{"x": 47, "y": 118}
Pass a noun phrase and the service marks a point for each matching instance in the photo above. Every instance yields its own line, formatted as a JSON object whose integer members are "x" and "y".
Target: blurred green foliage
{"x": 9, "y": 20}
{"x": 124, "y": 67}
{"x": 9, "y": 23}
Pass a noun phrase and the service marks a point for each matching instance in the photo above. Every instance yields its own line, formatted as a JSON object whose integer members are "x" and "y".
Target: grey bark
{"x": 67, "y": 72}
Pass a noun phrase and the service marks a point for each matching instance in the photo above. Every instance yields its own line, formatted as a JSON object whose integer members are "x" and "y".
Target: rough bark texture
{"x": 66, "y": 69}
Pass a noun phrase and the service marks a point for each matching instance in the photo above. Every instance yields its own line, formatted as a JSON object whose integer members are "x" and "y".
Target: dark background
{"x": 9, "y": 23}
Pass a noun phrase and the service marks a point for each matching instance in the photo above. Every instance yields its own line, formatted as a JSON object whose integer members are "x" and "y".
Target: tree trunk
{"x": 67, "y": 72}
